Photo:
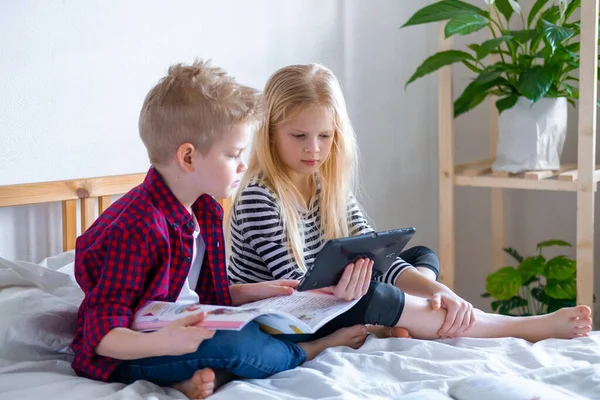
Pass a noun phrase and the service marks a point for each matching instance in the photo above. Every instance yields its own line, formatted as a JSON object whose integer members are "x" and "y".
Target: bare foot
{"x": 384, "y": 332}
{"x": 201, "y": 385}
{"x": 566, "y": 323}
{"x": 353, "y": 336}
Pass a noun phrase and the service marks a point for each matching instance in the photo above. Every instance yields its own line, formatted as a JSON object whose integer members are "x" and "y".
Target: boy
{"x": 163, "y": 241}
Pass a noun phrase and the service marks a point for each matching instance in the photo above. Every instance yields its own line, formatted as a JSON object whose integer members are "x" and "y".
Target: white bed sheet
{"x": 38, "y": 304}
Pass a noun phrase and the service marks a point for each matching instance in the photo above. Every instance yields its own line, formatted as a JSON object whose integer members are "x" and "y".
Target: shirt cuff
{"x": 101, "y": 320}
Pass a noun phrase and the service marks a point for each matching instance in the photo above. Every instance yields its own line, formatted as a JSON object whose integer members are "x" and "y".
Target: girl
{"x": 298, "y": 193}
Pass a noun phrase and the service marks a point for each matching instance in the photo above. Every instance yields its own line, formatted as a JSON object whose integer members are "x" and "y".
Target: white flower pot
{"x": 531, "y": 137}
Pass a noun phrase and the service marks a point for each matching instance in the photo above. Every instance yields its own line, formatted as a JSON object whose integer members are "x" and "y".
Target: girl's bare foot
{"x": 384, "y": 332}
{"x": 353, "y": 336}
{"x": 201, "y": 385}
{"x": 566, "y": 323}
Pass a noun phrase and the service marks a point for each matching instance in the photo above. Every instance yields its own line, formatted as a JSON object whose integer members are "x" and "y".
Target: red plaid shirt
{"x": 140, "y": 250}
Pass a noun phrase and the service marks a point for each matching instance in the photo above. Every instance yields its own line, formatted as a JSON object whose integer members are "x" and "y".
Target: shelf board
{"x": 480, "y": 174}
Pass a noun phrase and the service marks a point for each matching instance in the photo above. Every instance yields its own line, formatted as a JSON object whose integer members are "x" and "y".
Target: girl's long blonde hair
{"x": 287, "y": 93}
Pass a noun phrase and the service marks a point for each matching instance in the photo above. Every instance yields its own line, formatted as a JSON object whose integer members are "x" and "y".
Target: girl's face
{"x": 304, "y": 143}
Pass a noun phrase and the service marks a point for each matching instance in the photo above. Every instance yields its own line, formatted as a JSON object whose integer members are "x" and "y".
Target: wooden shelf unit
{"x": 580, "y": 178}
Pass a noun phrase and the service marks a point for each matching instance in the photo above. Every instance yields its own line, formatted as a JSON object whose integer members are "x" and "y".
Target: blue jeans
{"x": 249, "y": 353}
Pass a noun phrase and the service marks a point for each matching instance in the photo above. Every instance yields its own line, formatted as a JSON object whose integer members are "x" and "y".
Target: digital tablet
{"x": 381, "y": 247}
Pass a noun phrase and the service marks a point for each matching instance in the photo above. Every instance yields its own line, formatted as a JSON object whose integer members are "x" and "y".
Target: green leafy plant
{"x": 536, "y": 286}
{"x": 535, "y": 61}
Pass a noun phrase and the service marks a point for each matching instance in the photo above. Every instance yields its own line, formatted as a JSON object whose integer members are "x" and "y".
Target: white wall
{"x": 73, "y": 75}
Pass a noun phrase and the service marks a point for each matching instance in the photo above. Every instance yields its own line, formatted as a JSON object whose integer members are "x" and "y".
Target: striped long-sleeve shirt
{"x": 259, "y": 249}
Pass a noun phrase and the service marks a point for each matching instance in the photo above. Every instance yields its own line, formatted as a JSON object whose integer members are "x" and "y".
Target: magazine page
{"x": 311, "y": 308}
{"x": 156, "y": 315}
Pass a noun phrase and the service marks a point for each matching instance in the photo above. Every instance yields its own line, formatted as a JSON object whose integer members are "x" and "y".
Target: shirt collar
{"x": 174, "y": 211}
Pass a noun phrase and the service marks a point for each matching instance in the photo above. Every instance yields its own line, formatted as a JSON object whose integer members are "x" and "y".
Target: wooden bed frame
{"x": 93, "y": 194}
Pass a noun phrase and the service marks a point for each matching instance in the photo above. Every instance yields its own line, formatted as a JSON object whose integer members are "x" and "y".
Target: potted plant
{"x": 536, "y": 286}
{"x": 528, "y": 69}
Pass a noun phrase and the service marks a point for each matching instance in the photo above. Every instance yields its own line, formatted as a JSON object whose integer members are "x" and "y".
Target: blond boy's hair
{"x": 193, "y": 104}
{"x": 288, "y": 92}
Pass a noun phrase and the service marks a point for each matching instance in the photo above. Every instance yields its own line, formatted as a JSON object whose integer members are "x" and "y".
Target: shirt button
{"x": 187, "y": 259}
{"x": 190, "y": 224}
{"x": 175, "y": 225}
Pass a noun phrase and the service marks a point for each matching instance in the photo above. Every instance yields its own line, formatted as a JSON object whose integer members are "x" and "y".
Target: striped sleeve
{"x": 358, "y": 225}
{"x": 259, "y": 251}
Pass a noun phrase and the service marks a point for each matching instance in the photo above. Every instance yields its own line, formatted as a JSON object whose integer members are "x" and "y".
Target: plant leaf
{"x": 464, "y": 23}
{"x": 489, "y": 45}
{"x": 505, "y": 8}
{"x": 511, "y": 304}
{"x": 534, "y": 82}
{"x": 506, "y": 102}
{"x": 504, "y": 283}
{"x": 441, "y": 11}
{"x": 532, "y": 279}
{"x": 561, "y": 290}
{"x": 554, "y": 304}
{"x": 515, "y": 6}
{"x": 485, "y": 295}
{"x": 555, "y": 34}
{"x": 572, "y": 91}
{"x": 539, "y": 4}
{"x": 539, "y": 294}
{"x": 550, "y": 243}
{"x": 552, "y": 15}
{"x": 471, "y": 66}
{"x": 496, "y": 304}
{"x": 513, "y": 253}
{"x": 437, "y": 61}
{"x": 573, "y": 47}
{"x": 573, "y": 5}
{"x": 531, "y": 266}
{"x": 562, "y": 6}
{"x": 504, "y": 67}
{"x": 468, "y": 101}
{"x": 478, "y": 90}
{"x": 522, "y": 36}
{"x": 561, "y": 268}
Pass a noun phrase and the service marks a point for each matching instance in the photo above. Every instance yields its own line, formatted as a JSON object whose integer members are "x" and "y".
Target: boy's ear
{"x": 184, "y": 156}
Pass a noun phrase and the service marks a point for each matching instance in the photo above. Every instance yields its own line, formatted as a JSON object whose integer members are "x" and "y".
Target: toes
{"x": 206, "y": 375}
{"x": 578, "y": 322}
{"x": 582, "y": 329}
{"x": 400, "y": 332}
{"x": 583, "y": 311}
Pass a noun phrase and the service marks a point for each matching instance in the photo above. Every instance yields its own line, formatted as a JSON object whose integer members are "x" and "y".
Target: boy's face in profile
{"x": 219, "y": 171}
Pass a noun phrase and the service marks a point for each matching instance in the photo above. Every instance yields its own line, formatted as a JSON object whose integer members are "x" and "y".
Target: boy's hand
{"x": 183, "y": 336}
{"x": 355, "y": 281}
{"x": 249, "y": 292}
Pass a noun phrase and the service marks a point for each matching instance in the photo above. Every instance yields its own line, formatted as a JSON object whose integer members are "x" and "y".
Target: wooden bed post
{"x": 586, "y": 153}
{"x": 446, "y": 167}
{"x": 496, "y": 194}
{"x": 69, "y": 221}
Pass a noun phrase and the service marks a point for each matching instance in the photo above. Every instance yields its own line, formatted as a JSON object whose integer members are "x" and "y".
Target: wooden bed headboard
{"x": 93, "y": 194}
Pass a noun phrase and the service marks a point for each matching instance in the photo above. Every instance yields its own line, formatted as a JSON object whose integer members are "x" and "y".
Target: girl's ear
{"x": 184, "y": 157}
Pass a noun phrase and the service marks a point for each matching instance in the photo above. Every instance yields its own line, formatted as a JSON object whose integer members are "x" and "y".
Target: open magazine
{"x": 300, "y": 312}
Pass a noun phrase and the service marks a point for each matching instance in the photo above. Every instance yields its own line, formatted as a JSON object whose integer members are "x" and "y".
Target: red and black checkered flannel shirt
{"x": 140, "y": 250}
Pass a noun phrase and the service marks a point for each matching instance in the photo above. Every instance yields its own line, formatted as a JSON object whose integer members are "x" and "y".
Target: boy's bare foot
{"x": 566, "y": 323}
{"x": 384, "y": 332}
{"x": 201, "y": 385}
{"x": 353, "y": 336}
